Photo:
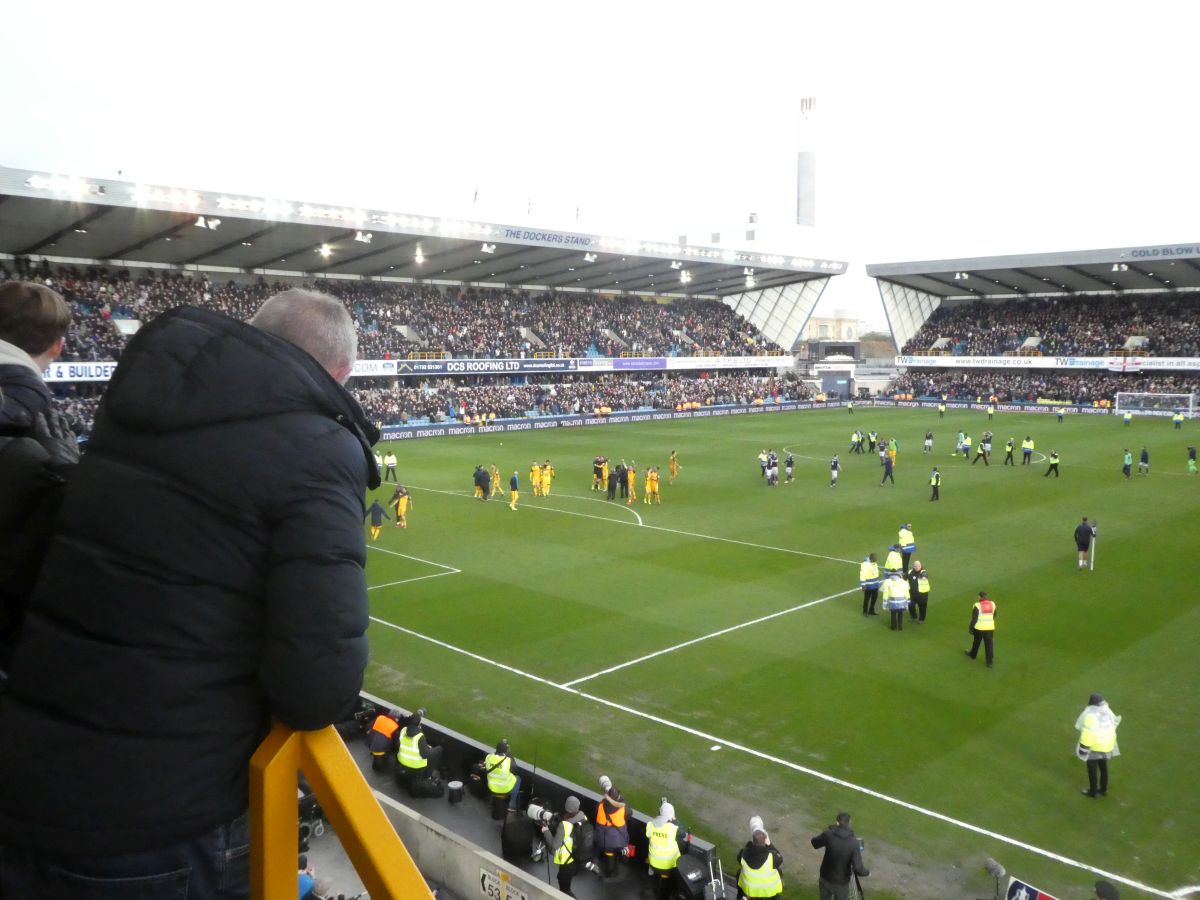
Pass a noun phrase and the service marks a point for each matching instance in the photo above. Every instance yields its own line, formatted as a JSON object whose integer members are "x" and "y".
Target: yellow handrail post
{"x": 383, "y": 863}
{"x": 274, "y": 815}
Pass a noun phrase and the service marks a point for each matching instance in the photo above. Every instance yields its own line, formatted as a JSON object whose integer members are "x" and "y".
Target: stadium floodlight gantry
{"x": 72, "y": 220}
{"x": 912, "y": 291}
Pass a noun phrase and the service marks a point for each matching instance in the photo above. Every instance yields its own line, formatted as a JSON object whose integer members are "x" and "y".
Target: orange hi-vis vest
{"x": 616, "y": 819}
{"x": 385, "y": 725}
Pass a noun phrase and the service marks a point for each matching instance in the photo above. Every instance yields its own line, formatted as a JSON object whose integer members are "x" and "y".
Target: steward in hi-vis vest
{"x": 983, "y": 627}
{"x": 869, "y": 580}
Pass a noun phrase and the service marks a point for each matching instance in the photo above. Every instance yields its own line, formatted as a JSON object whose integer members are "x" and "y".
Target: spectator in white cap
{"x": 759, "y": 864}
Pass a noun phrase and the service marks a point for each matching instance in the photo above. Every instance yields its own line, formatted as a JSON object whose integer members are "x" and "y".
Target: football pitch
{"x": 713, "y": 649}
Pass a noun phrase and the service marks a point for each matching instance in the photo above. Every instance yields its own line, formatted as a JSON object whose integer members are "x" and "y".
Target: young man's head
{"x": 316, "y": 323}
{"x": 35, "y": 319}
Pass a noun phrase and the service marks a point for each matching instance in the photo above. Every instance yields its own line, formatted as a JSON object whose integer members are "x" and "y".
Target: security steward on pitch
{"x": 869, "y": 580}
{"x": 982, "y": 627}
{"x": 382, "y": 739}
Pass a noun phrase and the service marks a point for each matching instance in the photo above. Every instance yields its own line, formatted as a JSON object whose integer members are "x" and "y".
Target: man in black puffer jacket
{"x": 205, "y": 576}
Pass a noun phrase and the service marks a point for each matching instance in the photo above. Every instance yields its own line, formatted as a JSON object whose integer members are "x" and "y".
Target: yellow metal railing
{"x": 381, "y": 860}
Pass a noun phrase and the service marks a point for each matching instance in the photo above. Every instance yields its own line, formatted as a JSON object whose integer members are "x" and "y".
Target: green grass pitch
{"x": 500, "y": 620}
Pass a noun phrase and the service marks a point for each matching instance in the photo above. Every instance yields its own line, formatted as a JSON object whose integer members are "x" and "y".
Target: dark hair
{"x": 843, "y": 818}
{"x": 32, "y": 316}
{"x": 759, "y": 838}
{"x": 303, "y": 861}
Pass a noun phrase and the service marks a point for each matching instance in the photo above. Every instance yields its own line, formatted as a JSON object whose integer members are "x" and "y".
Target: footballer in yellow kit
{"x": 652, "y": 495}
{"x": 401, "y": 500}
{"x": 631, "y": 481}
{"x": 535, "y": 478}
{"x": 547, "y": 477}
{"x": 497, "y": 488}
{"x": 673, "y": 466}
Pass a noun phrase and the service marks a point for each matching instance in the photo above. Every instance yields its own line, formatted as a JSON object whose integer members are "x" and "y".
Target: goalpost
{"x": 1156, "y": 404}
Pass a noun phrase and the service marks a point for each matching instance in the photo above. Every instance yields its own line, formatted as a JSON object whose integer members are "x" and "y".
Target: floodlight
{"x": 488, "y": 248}
{"x": 685, "y": 276}
{"x": 208, "y": 222}
{"x": 418, "y": 257}
{"x": 676, "y": 265}
{"x": 325, "y": 250}
{"x": 589, "y": 257}
{"x": 750, "y": 282}
{"x": 363, "y": 237}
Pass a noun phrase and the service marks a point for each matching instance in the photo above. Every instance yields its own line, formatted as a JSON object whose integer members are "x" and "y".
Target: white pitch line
{"x": 626, "y": 507}
{"x": 706, "y": 537}
{"x": 705, "y": 637}
{"x": 376, "y": 587}
{"x": 428, "y": 562}
{"x": 474, "y": 656}
{"x": 1185, "y": 891}
{"x": 805, "y": 770}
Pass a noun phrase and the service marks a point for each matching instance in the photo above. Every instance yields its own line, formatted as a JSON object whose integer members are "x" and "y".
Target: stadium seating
{"x": 446, "y": 399}
{"x": 1085, "y": 388}
{"x": 396, "y": 320}
{"x": 1067, "y": 326}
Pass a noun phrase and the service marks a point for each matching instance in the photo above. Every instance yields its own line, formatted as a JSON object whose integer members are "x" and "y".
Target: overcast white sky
{"x": 946, "y": 129}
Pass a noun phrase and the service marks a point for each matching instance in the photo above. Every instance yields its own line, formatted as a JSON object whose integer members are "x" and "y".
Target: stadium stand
{"x": 395, "y": 321}
{"x": 395, "y": 404}
{"x": 1083, "y": 388}
{"x": 1065, "y": 326}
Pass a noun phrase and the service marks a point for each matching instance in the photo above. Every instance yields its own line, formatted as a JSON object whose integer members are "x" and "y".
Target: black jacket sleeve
{"x": 316, "y": 622}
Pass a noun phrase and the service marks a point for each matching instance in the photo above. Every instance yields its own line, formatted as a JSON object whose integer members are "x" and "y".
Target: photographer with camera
{"x": 502, "y": 781}
{"x": 665, "y": 836}
{"x": 843, "y": 856}
{"x": 383, "y": 739}
{"x": 612, "y": 832}
{"x": 563, "y": 836}
{"x": 759, "y": 864}
{"x": 419, "y": 762}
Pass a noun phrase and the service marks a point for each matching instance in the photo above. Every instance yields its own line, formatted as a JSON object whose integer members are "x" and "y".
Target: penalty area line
{"x": 428, "y": 562}
{"x": 705, "y": 637}
{"x": 376, "y": 587}
{"x": 795, "y": 767}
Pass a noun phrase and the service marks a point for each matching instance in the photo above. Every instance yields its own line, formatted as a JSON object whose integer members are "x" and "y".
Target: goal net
{"x": 1156, "y": 404}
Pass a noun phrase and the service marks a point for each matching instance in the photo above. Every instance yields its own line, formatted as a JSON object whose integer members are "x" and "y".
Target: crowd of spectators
{"x": 395, "y": 321}
{"x": 1083, "y": 388}
{"x": 1067, "y": 326}
{"x": 441, "y": 399}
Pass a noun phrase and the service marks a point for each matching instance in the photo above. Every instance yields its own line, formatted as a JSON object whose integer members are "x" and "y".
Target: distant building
{"x": 837, "y": 327}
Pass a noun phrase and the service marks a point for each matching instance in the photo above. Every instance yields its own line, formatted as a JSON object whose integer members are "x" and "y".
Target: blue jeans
{"x": 215, "y": 866}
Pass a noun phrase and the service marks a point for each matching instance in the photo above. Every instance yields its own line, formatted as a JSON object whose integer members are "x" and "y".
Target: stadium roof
{"x": 120, "y": 223}
{"x": 1161, "y": 267}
